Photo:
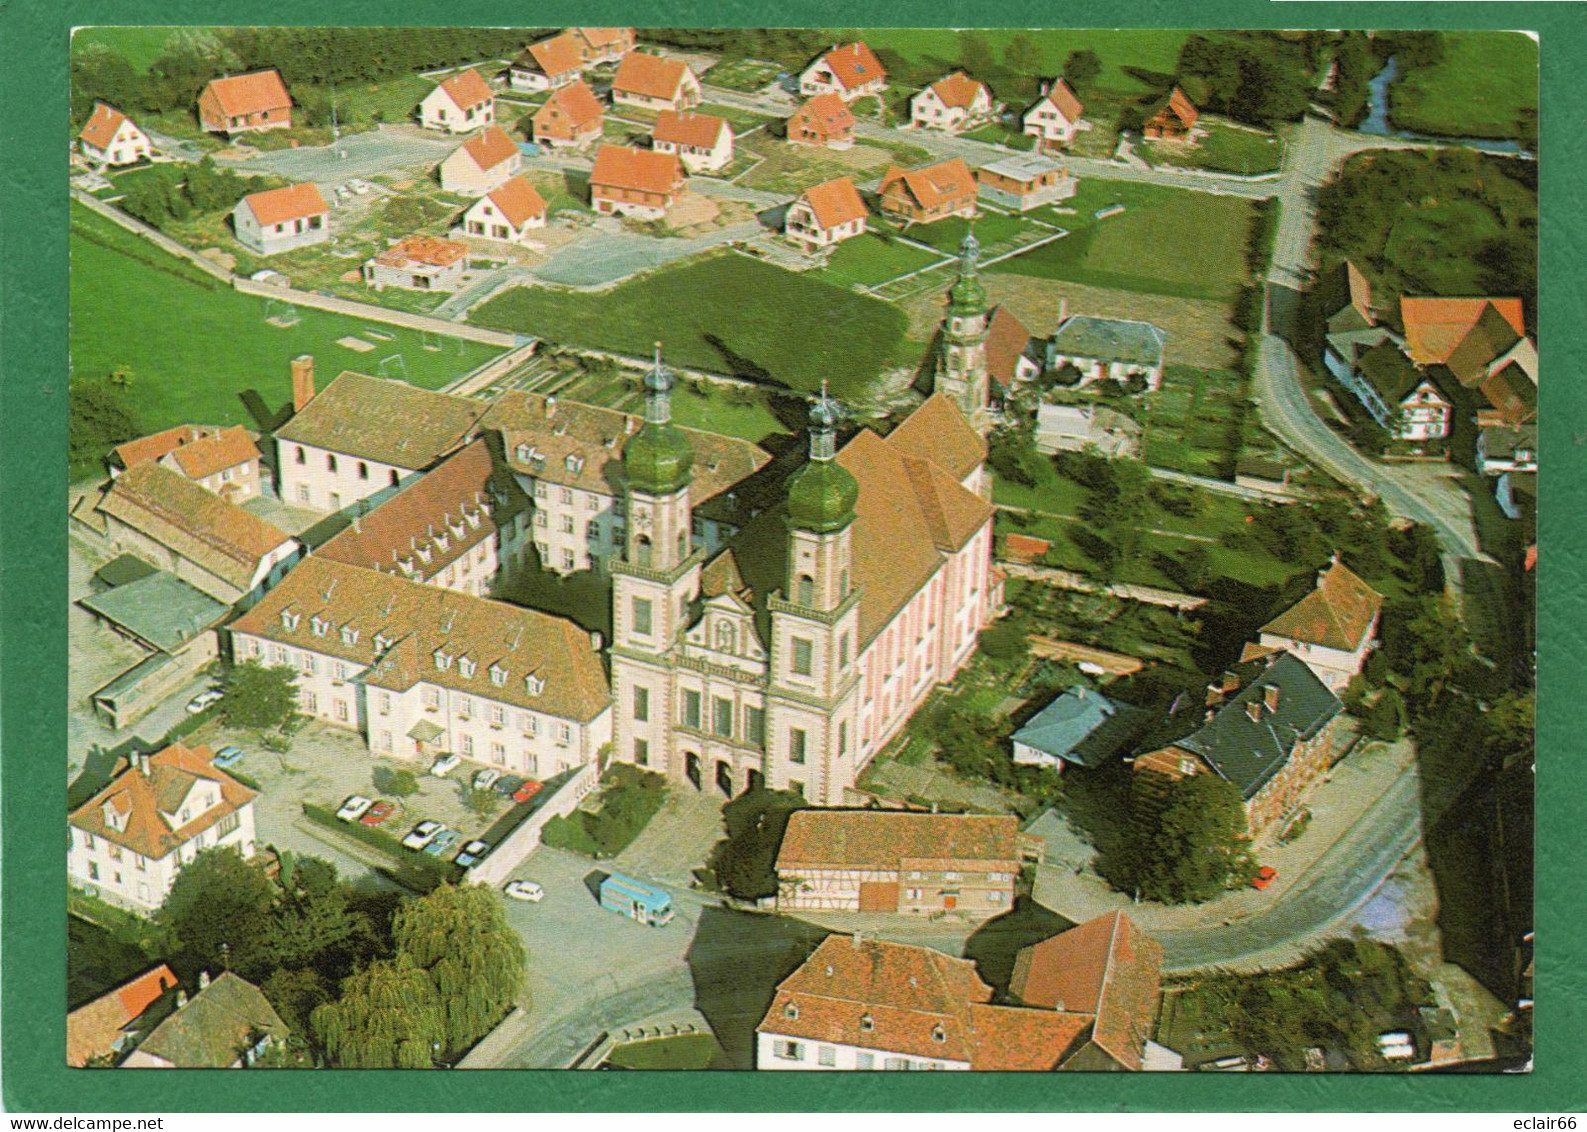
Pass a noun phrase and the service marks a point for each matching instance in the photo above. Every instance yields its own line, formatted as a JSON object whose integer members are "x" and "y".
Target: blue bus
{"x": 635, "y": 899}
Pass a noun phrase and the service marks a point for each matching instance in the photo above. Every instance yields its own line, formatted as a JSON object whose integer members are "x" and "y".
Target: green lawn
{"x": 685, "y": 1051}
{"x": 1194, "y": 423}
{"x": 140, "y": 46}
{"x": 739, "y": 120}
{"x": 742, "y": 74}
{"x": 1167, "y": 242}
{"x": 742, "y": 413}
{"x": 997, "y": 134}
{"x": 991, "y": 229}
{"x": 937, "y": 50}
{"x": 873, "y": 258}
{"x": 1226, "y": 148}
{"x": 727, "y": 313}
{"x": 1443, "y": 99}
{"x": 195, "y": 346}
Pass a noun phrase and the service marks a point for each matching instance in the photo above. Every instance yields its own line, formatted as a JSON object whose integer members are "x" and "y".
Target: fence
{"x": 525, "y": 839}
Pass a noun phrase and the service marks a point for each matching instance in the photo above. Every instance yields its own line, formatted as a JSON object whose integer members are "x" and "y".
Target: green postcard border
{"x": 33, "y": 655}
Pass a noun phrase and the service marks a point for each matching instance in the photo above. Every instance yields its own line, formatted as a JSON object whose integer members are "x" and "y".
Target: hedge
{"x": 411, "y": 868}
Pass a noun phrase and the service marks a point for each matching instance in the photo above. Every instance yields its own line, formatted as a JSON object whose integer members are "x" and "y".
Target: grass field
{"x": 726, "y": 313}
{"x": 742, "y": 74}
{"x": 1166, "y": 242}
{"x": 873, "y": 258}
{"x": 740, "y": 120}
{"x": 1195, "y": 422}
{"x": 1442, "y": 99}
{"x": 194, "y": 345}
{"x": 1226, "y": 148}
{"x": 937, "y": 50}
{"x": 140, "y": 46}
{"x": 742, "y": 412}
{"x": 685, "y": 1051}
{"x": 791, "y": 168}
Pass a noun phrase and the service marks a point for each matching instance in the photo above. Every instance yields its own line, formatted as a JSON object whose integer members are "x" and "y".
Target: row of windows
{"x": 827, "y": 1057}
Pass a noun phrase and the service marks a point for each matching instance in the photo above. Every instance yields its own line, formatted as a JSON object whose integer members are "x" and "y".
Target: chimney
{"x": 302, "y": 381}
{"x": 181, "y": 999}
{"x": 858, "y": 940}
{"x": 140, "y": 759}
{"x": 596, "y": 640}
{"x": 1045, "y": 87}
{"x": 1270, "y": 697}
{"x": 203, "y": 980}
{"x": 1063, "y": 311}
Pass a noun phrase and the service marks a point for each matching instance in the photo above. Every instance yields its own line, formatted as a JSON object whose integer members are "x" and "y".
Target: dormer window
{"x": 533, "y": 684}
{"x": 405, "y": 565}
{"x": 524, "y": 453}
{"x": 498, "y": 675}
{"x": 443, "y": 659}
{"x": 791, "y": 1011}
{"x": 938, "y": 1034}
{"x": 441, "y": 543}
{"x": 473, "y": 520}
{"x": 383, "y": 642}
{"x": 575, "y": 463}
{"x": 289, "y": 619}
{"x": 465, "y": 668}
{"x": 867, "y": 1023}
{"x": 319, "y": 625}
{"x": 456, "y": 529}
{"x": 349, "y": 635}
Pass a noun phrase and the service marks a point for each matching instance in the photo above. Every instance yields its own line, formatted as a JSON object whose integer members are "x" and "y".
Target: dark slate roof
{"x": 211, "y": 1030}
{"x": 158, "y": 608}
{"x": 1109, "y": 340}
{"x": 1083, "y": 727}
{"x": 122, "y": 569}
{"x": 1390, "y": 372}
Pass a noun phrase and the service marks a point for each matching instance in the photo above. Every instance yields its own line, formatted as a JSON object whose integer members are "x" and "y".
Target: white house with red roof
{"x": 849, "y": 70}
{"x": 129, "y": 841}
{"x": 248, "y": 103}
{"x": 459, "y": 103}
{"x": 652, "y": 82}
{"x": 112, "y": 138}
{"x": 826, "y": 214}
{"x": 222, "y": 460}
{"x": 1056, "y": 118}
{"x": 547, "y": 65}
{"x": 481, "y": 163}
{"x": 825, "y": 120}
{"x": 602, "y": 45}
{"x": 280, "y": 220}
{"x": 571, "y": 117}
{"x": 955, "y": 102}
{"x": 641, "y": 183}
{"x": 703, "y": 142}
{"x": 507, "y": 213}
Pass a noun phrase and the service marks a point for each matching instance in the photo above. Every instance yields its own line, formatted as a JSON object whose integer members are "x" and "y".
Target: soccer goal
{"x": 279, "y": 312}
{"x": 430, "y": 340}
{"x": 393, "y": 365}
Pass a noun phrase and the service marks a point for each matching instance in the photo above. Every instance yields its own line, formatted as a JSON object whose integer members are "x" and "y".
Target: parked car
{"x": 526, "y": 791}
{"x": 443, "y": 842}
{"x": 422, "y": 834}
{"x": 203, "y": 700}
{"x": 377, "y": 813}
{"x": 508, "y": 786}
{"x": 472, "y": 853}
{"x": 445, "y": 765}
{"x": 525, "y": 890}
{"x": 1264, "y": 877}
{"x": 227, "y": 756}
{"x": 355, "y": 807}
{"x": 486, "y": 778}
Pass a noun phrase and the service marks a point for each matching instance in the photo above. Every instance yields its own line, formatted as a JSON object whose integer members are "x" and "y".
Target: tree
{"x": 1013, "y": 455}
{"x": 98, "y": 418}
{"x": 258, "y": 697}
{"x": 975, "y": 54}
{"x": 389, "y": 1016}
{"x": 482, "y": 804}
{"x": 296, "y": 994}
{"x": 315, "y": 924}
{"x": 744, "y": 862}
{"x": 1081, "y": 69}
{"x": 219, "y": 913}
{"x": 1023, "y": 58}
{"x": 1191, "y": 838}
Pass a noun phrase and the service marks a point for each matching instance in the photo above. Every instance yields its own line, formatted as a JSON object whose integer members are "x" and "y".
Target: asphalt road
{"x": 389, "y": 149}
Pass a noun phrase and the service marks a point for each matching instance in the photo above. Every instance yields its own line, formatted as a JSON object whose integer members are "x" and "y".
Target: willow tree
{"x": 475, "y": 960}
{"x": 390, "y": 1016}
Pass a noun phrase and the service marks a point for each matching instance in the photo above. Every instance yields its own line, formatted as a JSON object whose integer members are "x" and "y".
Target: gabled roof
{"x": 489, "y": 148}
{"x": 1435, "y": 326}
{"x": 414, "y": 621}
{"x": 215, "y": 452}
{"x": 932, "y": 185}
{"x": 517, "y": 200}
{"x": 1511, "y": 393}
{"x": 1061, "y": 97}
{"x": 212, "y": 1029}
{"x": 577, "y": 101}
{"x": 1489, "y": 338}
{"x": 1009, "y": 1039}
{"x": 854, "y": 65}
{"x": 1107, "y": 968}
{"x": 826, "y": 114}
{"x": 650, "y": 75}
{"x": 240, "y": 95}
{"x": 835, "y": 202}
{"x": 140, "y": 797}
{"x": 939, "y": 431}
{"x": 291, "y": 202}
{"x": 1176, "y": 105}
{"x": 1338, "y": 614}
{"x": 558, "y": 55}
{"x": 882, "y": 839}
{"x": 384, "y": 420}
{"x": 93, "y": 1028}
{"x": 620, "y": 166}
{"x": 192, "y": 521}
{"x": 1082, "y": 727}
{"x": 1007, "y": 339}
{"x": 689, "y": 128}
{"x": 958, "y": 90}
{"x": 1390, "y": 372}
{"x": 721, "y": 576}
{"x": 1109, "y": 340}
{"x": 1504, "y": 440}
{"x": 1344, "y": 290}
{"x": 467, "y": 88}
{"x": 102, "y": 125}
{"x": 601, "y": 37}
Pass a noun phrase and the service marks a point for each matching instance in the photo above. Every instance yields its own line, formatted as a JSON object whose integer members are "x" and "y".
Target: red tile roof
{"x": 881, "y": 839}
{"x": 490, "y": 147}
{"x": 826, "y": 115}
{"x": 1178, "y": 106}
{"x": 854, "y": 65}
{"x": 700, "y": 130}
{"x": 602, "y": 37}
{"x": 1007, "y": 339}
{"x": 1434, "y": 327}
{"x": 92, "y": 1029}
{"x": 577, "y": 101}
{"x": 939, "y": 429}
{"x": 556, "y": 56}
{"x": 1337, "y": 614}
{"x": 1024, "y": 548}
{"x": 622, "y": 167}
{"x": 518, "y": 200}
{"x": 293, "y": 202}
{"x": 1009, "y": 1039}
{"x": 431, "y": 250}
{"x": 467, "y": 89}
{"x": 933, "y": 185}
{"x": 649, "y": 75}
{"x": 242, "y": 95}
{"x": 156, "y": 445}
{"x": 1064, "y": 100}
{"x": 144, "y": 797}
{"x": 958, "y": 90}
{"x": 1490, "y": 338}
{"x": 102, "y": 125}
{"x": 835, "y": 202}
{"x": 215, "y": 452}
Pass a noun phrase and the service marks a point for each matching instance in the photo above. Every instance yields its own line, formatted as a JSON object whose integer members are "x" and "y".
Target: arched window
{"x": 806, "y": 590}
{"x": 724, "y": 636}
{"x": 642, "y": 550}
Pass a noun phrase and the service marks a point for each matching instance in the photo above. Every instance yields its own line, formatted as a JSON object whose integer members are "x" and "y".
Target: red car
{"x": 1264, "y": 877}
{"x": 526, "y": 791}
{"x": 377, "y": 813}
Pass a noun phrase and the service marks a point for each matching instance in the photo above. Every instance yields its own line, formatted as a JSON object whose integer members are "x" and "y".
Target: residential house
{"x": 1086, "y": 428}
{"x": 1115, "y": 349}
{"x": 1111, "y": 971}
{"x": 1081, "y": 727}
{"x": 1012, "y": 356}
{"x": 1025, "y": 181}
{"x": 175, "y": 524}
{"x": 1330, "y": 630}
{"x": 364, "y": 436}
{"x": 913, "y": 864}
{"x": 228, "y": 1024}
{"x": 641, "y": 183}
{"x": 111, "y": 138}
{"x": 250, "y": 103}
{"x": 954, "y": 103}
{"x": 458, "y": 526}
{"x": 1500, "y": 363}
{"x": 1435, "y": 327}
{"x": 651, "y": 82}
{"x": 1173, "y": 119}
{"x": 571, "y": 117}
{"x": 1502, "y": 449}
{"x": 1400, "y": 396}
{"x": 702, "y": 142}
{"x": 547, "y": 65}
{"x": 826, "y": 215}
{"x": 129, "y": 840}
{"x": 108, "y": 1026}
{"x": 459, "y": 103}
{"x": 422, "y": 670}
{"x": 418, "y": 263}
{"x": 1056, "y": 117}
{"x": 824, "y": 120}
{"x": 281, "y": 220}
{"x": 508, "y": 213}
{"x": 849, "y": 70}
{"x": 929, "y": 193}
{"x": 222, "y": 460}
{"x": 1266, "y": 727}
{"x": 602, "y": 45}
{"x": 481, "y": 163}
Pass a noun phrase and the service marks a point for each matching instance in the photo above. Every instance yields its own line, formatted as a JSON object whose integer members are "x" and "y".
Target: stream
{"x": 1377, "y": 121}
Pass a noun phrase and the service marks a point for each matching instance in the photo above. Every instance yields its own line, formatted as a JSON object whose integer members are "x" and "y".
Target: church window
{"x": 642, "y": 617}
{"x": 803, "y": 656}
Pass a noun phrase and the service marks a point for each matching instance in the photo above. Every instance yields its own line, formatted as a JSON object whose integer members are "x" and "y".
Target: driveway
{"x": 388, "y": 149}
{"x": 600, "y": 259}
